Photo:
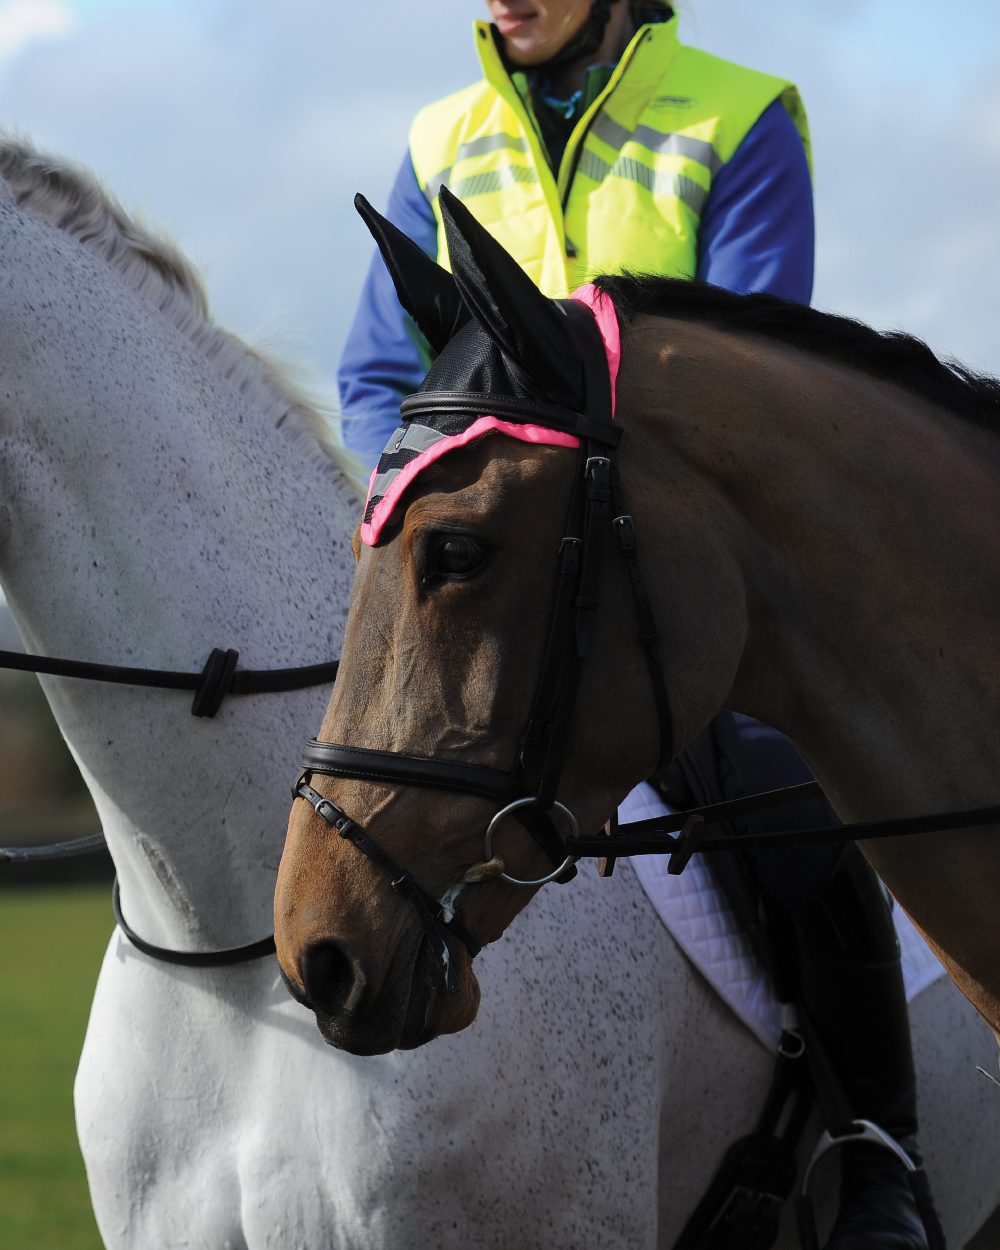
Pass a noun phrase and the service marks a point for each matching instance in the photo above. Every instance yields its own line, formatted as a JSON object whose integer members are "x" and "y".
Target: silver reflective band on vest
{"x": 494, "y": 180}
{"x": 490, "y": 143}
{"x": 475, "y": 147}
{"x": 660, "y": 182}
{"x": 657, "y": 141}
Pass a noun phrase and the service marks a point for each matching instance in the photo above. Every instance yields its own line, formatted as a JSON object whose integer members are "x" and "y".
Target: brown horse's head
{"x": 446, "y": 642}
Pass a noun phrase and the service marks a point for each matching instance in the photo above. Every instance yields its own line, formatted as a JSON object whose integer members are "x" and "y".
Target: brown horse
{"x": 818, "y": 516}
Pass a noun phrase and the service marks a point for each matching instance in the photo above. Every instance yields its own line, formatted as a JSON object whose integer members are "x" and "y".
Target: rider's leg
{"x": 852, "y": 989}
{"x": 846, "y": 961}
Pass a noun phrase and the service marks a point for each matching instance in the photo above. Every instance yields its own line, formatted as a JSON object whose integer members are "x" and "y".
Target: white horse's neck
{"x": 157, "y": 487}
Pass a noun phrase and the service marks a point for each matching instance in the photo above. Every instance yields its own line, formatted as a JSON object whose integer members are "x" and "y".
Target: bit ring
{"x": 568, "y": 862}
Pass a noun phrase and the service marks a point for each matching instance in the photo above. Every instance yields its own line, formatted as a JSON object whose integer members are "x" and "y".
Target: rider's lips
{"x": 511, "y": 22}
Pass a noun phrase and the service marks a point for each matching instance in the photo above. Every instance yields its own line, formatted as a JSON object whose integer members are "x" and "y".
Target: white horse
{"x": 163, "y": 492}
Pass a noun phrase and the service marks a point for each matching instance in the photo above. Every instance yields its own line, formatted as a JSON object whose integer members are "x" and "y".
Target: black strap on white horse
{"x": 741, "y": 1208}
{"x": 53, "y": 850}
{"x": 219, "y": 676}
{"x": 190, "y": 959}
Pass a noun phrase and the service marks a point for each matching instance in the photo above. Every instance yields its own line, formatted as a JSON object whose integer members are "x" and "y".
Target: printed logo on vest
{"x": 674, "y": 102}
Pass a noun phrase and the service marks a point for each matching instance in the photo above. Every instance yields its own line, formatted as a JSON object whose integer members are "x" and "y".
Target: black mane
{"x": 890, "y": 356}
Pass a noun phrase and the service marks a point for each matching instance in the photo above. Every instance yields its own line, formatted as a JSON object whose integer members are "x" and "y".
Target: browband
{"x": 520, "y": 411}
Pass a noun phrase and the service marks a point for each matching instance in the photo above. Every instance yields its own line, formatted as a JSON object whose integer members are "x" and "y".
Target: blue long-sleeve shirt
{"x": 756, "y": 234}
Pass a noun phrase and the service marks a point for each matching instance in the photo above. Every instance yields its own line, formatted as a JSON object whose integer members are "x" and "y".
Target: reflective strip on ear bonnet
{"x": 417, "y": 444}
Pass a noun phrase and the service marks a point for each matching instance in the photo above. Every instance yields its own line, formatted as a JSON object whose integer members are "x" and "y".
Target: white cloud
{"x": 23, "y": 22}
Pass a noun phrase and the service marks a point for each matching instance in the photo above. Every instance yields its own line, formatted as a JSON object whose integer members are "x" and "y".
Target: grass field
{"x": 52, "y": 942}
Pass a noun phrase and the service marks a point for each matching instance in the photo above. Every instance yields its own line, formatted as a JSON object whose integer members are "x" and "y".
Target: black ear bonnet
{"x": 509, "y": 358}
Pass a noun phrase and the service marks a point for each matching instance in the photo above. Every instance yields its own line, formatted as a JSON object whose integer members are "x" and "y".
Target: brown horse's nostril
{"x": 329, "y": 977}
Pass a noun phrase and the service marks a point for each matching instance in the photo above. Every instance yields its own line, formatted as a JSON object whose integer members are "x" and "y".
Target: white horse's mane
{"x": 71, "y": 198}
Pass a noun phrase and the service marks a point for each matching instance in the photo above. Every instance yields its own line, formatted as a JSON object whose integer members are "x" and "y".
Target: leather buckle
{"x": 606, "y": 863}
{"x": 624, "y": 531}
{"x": 685, "y": 845}
{"x": 216, "y": 680}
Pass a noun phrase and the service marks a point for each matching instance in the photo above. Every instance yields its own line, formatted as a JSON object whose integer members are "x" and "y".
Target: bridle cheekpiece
{"x": 529, "y": 791}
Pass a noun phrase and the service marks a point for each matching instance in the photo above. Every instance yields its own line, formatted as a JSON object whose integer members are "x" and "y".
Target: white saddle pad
{"x": 699, "y": 917}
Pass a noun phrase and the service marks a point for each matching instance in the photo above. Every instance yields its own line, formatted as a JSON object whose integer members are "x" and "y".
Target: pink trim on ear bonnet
{"x": 603, "y": 308}
{"x": 413, "y": 446}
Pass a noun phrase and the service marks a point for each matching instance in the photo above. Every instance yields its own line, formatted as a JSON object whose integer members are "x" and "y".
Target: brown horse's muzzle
{"x": 351, "y": 949}
{"x": 408, "y": 1010}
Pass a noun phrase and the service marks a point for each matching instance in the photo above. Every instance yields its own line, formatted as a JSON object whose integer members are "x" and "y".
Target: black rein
{"x": 217, "y": 679}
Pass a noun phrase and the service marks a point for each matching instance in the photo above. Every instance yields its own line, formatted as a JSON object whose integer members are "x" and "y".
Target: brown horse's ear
{"x": 527, "y": 326}
{"x": 427, "y": 292}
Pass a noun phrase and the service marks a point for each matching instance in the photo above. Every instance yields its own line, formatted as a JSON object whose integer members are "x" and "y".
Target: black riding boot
{"x": 833, "y": 948}
{"x": 851, "y": 986}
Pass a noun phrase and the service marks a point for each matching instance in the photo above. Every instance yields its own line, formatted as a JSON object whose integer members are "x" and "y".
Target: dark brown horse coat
{"x": 818, "y": 511}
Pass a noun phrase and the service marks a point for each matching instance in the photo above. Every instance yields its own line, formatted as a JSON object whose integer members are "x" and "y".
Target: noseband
{"x": 528, "y": 792}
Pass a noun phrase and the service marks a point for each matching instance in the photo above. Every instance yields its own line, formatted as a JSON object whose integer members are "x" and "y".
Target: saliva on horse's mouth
{"x": 426, "y": 969}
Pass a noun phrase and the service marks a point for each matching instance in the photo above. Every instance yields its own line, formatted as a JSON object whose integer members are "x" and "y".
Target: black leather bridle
{"x": 529, "y": 790}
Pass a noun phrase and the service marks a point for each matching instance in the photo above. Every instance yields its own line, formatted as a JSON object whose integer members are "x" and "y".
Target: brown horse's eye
{"x": 453, "y": 557}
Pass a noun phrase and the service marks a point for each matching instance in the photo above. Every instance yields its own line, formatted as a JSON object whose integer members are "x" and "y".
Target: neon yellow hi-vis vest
{"x": 636, "y": 173}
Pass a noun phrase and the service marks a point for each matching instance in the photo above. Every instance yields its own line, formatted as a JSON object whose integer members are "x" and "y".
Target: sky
{"x": 244, "y": 127}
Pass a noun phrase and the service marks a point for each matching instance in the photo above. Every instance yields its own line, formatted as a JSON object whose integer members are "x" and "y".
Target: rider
{"x": 596, "y": 142}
